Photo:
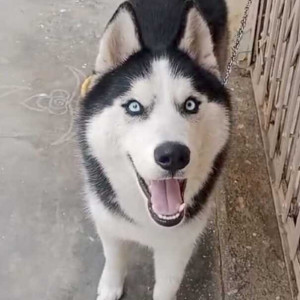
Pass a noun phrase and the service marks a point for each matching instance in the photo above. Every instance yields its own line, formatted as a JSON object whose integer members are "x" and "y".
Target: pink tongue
{"x": 165, "y": 196}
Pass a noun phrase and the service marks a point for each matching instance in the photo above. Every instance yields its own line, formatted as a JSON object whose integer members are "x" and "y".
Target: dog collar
{"x": 85, "y": 86}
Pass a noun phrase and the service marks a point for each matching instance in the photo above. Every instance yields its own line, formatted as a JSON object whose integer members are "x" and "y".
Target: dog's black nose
{"x": 172, "y": 156}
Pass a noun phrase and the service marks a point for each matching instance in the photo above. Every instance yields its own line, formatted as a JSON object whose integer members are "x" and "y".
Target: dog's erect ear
{"x": 195, "y": 39}
{"x": 120, "y": 40}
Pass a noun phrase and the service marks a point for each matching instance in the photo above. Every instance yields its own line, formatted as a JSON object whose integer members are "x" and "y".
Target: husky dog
{"x": 153, "y": 129}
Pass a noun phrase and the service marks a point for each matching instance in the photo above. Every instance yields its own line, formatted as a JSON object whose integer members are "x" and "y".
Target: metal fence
{"x": 275, "y": 66}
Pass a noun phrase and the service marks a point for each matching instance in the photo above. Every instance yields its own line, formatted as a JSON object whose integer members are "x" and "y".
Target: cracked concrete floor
{"x": 48, "y": 247}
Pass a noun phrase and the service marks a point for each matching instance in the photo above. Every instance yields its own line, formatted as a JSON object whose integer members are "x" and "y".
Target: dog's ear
{"x": 195, "y": 39}
{"x": 120, "y": 40}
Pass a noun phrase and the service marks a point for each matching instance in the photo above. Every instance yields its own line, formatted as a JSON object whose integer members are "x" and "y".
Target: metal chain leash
{"x": 237, "y": 43}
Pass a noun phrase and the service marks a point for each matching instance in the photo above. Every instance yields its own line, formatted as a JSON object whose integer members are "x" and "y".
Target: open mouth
{"x": 165, "y": 200}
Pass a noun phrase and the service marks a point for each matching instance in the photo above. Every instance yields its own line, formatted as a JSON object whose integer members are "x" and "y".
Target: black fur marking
{"x": 203, "y": 81}
{"x": 116, "y": 83}
{"x": 200, "y": 200}
{"x": 161, "y": 22}
{"x": 152, "y": 16}
{"x": 102, "y": 186}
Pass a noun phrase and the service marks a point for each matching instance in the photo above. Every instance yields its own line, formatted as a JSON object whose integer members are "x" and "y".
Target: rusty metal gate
{"x": 275, "y": 68}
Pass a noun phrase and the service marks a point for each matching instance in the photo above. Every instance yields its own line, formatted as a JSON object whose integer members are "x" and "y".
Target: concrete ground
{"x": 48, "y": 246}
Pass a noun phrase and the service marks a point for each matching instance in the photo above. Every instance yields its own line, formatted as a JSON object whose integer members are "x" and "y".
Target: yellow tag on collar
{"x": 85, "y": 86}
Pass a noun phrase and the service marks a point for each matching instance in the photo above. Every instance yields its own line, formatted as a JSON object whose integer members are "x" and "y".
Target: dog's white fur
{"x": 111, "y": 135}
{"x": 115, "y": 46}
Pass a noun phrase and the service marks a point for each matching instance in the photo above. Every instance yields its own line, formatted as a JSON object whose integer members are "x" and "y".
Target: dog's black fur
{"x": 160, "y": 21}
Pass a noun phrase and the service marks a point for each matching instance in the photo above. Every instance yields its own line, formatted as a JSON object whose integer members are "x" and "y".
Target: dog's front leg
{"x": 114, "y": 272}
{"x": 170, "y": 264}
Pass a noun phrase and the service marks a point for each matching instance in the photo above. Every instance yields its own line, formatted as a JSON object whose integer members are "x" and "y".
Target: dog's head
{"x": 163, "y": 111}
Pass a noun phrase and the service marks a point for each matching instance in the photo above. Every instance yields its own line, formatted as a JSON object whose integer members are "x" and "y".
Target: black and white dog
{"x": 153, "y": 129}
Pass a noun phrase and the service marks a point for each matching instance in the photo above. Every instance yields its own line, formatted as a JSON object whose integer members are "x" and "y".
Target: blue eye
{"x": 134, "y": 108}
{"x": 191, "y": 106}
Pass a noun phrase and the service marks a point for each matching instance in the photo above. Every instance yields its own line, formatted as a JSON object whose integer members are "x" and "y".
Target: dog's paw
{"x": 109, "y": 293}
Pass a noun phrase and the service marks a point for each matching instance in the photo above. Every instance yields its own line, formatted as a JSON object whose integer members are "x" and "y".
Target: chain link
{"x": 237, "y": 43}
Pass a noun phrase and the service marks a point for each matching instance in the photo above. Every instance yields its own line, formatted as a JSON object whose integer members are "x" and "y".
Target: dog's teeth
{"x": 168, "y": 218}
{"x": 182, "y": 207}
{"x": 162, "y": 217}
